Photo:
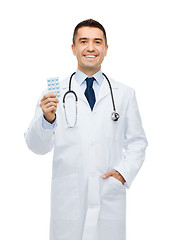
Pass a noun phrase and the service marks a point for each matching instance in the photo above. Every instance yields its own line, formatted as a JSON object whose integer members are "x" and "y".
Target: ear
{"x": 73, "y": 49}
{"x": 106, "y": 50}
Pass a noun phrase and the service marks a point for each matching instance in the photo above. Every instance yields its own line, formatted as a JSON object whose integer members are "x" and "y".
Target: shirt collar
{"x": 80, "y": 77}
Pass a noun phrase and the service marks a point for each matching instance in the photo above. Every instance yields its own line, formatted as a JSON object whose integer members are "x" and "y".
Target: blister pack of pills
{"x": 53, "y": 86}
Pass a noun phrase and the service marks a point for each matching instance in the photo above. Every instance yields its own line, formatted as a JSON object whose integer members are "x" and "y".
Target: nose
{"x": 90, "y": 46}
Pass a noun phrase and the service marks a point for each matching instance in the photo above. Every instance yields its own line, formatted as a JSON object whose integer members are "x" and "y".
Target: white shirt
{"x": 80, "y": 78}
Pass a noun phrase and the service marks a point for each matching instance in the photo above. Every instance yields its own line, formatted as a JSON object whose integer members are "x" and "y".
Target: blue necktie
{"x": 89, "y": 92}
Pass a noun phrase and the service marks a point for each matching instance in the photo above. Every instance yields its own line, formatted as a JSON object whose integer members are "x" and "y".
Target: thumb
{"x": 108, "y": 174}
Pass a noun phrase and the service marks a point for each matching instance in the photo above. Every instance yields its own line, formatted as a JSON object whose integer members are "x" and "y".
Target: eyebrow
{"x": 84, "y": 38}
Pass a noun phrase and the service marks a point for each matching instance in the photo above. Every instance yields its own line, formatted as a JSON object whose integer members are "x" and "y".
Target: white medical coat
{"x": 83, "y": 205}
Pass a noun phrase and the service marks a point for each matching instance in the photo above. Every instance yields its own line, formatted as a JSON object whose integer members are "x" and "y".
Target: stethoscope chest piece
{"x": 115, "y": 116}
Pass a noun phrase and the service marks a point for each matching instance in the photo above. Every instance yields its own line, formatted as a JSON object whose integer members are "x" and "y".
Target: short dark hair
{"x": 89, "y": 23}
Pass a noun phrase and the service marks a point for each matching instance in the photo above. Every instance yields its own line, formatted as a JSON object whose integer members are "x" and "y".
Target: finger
{"x": 49, "y": 95}
{"x": 47, "y": 100}
{"x": 49, "y": 110}
{"x": 50, "y": 104}
{"x": 108, "y": 174}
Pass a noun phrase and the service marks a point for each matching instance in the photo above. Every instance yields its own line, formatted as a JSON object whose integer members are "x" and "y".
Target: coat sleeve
{"x": 39, "y": 139}
{"x": 135, "y": 143}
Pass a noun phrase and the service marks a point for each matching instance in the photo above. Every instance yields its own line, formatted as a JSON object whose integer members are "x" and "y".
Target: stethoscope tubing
{"x": 114, "y": 116}
{"x": 112, "y": 97}
{"x": 76, "y": 98}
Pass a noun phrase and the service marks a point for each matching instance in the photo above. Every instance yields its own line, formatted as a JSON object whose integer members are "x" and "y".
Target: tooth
{"x": 90, "y": 56}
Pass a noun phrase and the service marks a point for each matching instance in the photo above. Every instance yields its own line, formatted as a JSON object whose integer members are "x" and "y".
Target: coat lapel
{"x": 79, "y": 91}
{"x": 104, "y": 90}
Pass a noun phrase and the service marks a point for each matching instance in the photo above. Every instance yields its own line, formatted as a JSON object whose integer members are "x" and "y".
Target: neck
{"x": 89, "y": 72}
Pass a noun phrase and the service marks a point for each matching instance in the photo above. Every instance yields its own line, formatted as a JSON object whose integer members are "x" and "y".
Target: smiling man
{"x": 90, "y": 47}
{"x": 97, "y": 158}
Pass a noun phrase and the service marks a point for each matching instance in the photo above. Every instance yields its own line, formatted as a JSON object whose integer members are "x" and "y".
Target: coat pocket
{"x": 113, "y": 199}
{"x": 65, "y": 200}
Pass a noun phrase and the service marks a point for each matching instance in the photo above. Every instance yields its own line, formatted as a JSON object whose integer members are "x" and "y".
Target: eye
{"x": 98, "y": 42}
{"x": 83, "y": 41}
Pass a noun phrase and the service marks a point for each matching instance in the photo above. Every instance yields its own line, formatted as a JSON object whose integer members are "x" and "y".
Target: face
{"x": 90, "y": 49}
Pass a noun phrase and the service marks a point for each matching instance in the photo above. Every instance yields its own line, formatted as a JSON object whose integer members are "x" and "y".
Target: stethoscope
{"x": 114, "y": 115}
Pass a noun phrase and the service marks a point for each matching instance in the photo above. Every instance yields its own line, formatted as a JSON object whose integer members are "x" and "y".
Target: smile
{"x": 90, "y": 56}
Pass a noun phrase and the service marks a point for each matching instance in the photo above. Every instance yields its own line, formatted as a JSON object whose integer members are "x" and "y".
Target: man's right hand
{"x": 49, "y": 106}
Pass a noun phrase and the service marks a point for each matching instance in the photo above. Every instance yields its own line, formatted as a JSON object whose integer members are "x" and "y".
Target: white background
{"x": 143, "y": 53}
